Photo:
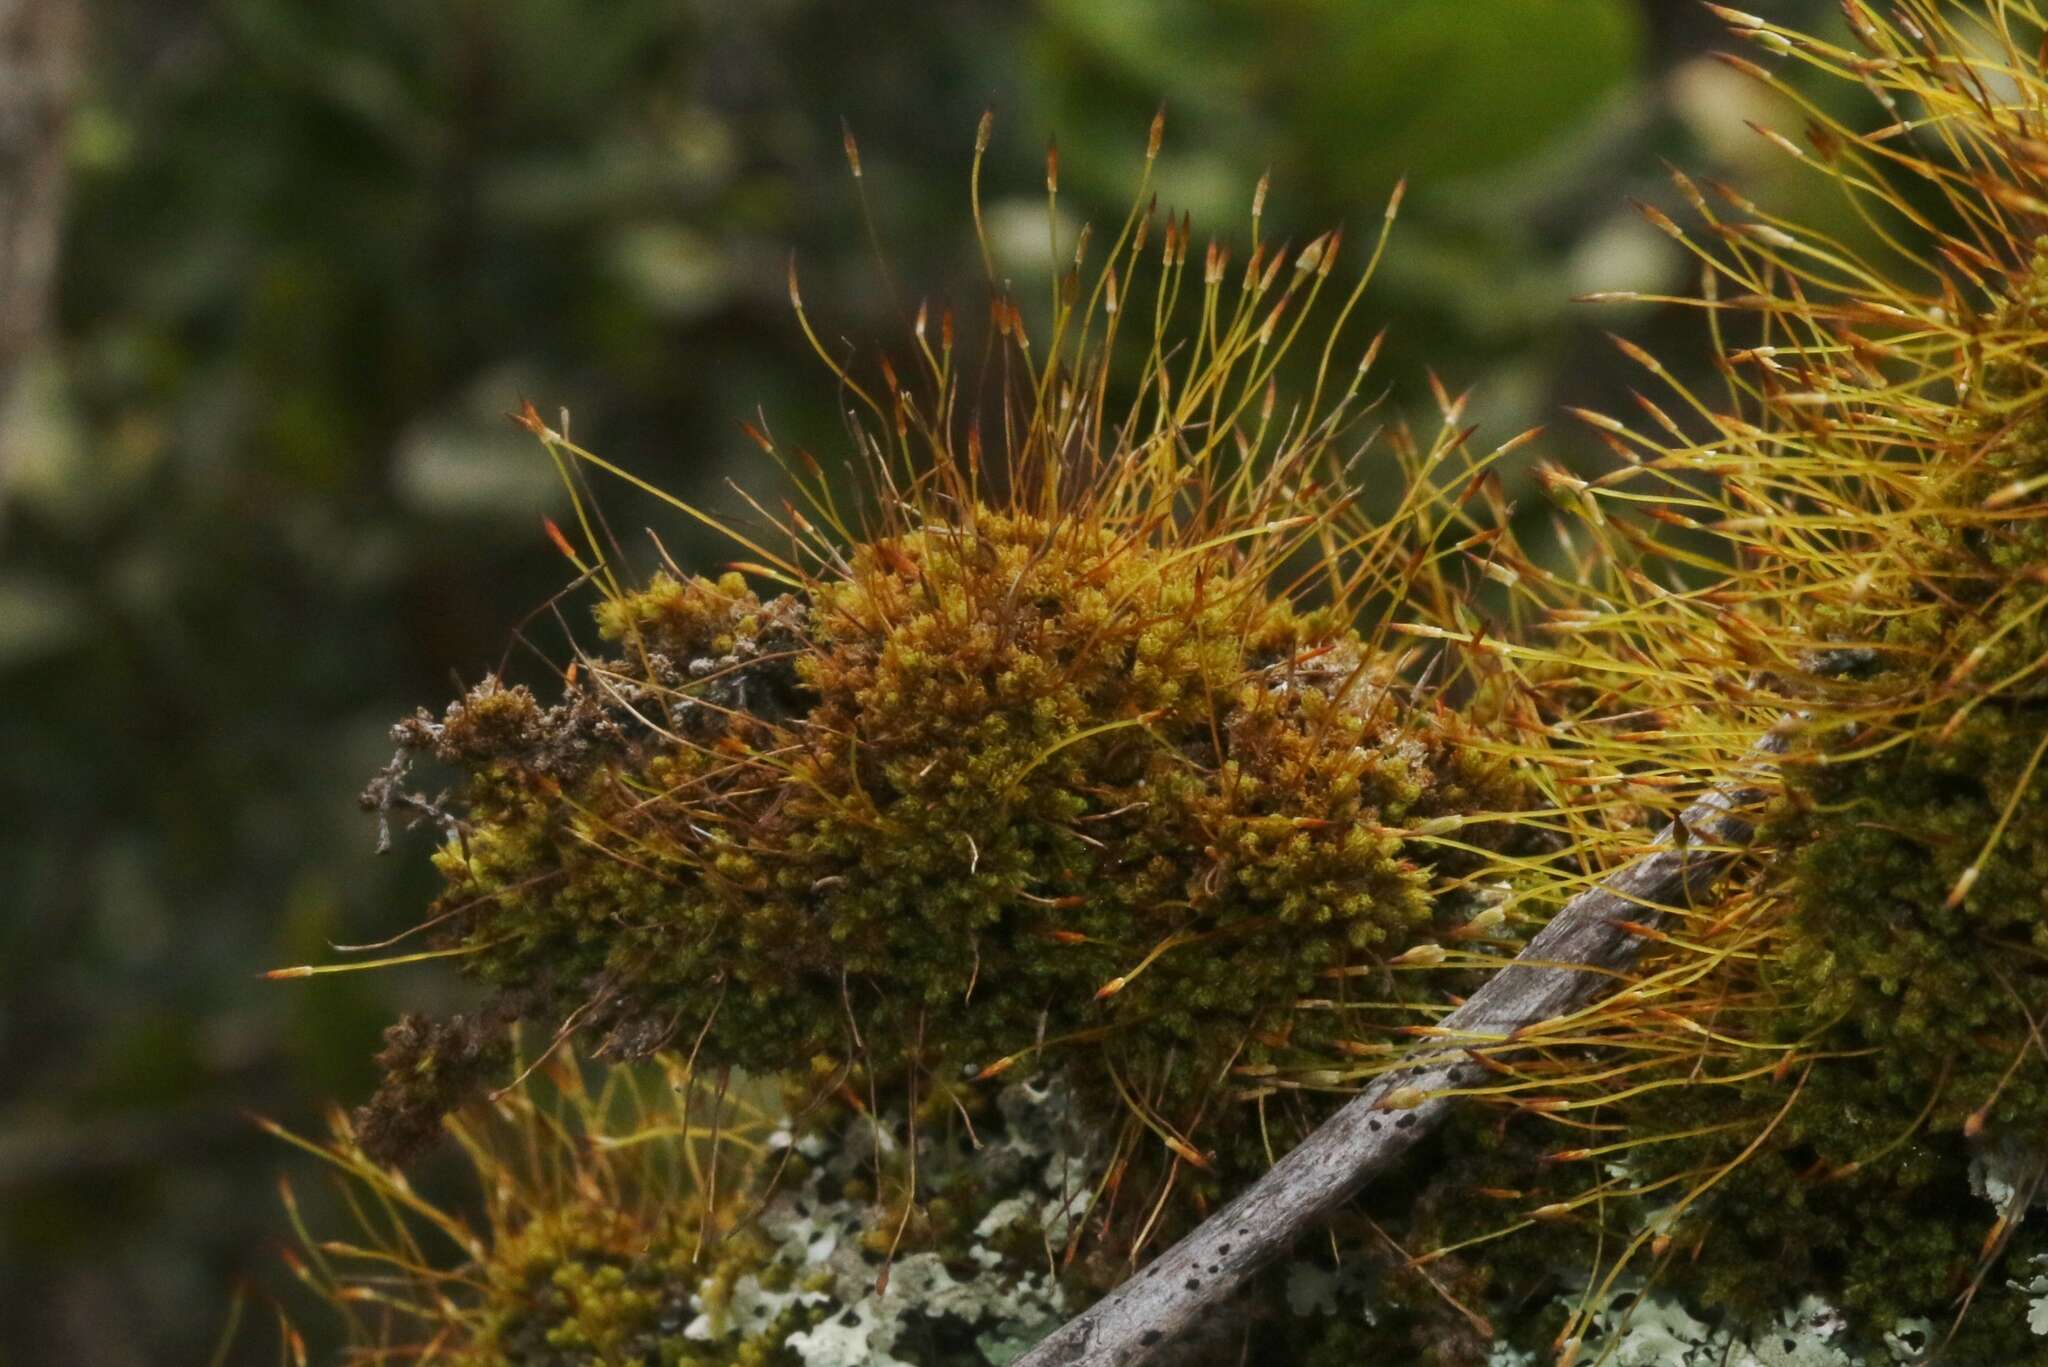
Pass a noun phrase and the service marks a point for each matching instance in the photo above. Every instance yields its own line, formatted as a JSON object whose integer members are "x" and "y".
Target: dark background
{"x": 259, "y": 497}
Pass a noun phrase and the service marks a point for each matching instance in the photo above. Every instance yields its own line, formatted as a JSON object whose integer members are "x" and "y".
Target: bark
{"x": 38, "y": 69}
{"x": 1566, "y": 963}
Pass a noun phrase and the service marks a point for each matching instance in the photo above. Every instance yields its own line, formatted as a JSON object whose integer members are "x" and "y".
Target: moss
{"x": 610, "y": 1239}
{"x": 1905, "y": 891}
{"x": 1002, "y": 783}
{"x": 1879, "y": 956}
{"x": 1967, "y": 572}
{"x": 1894, "y": 1239}
{"x": 1918, "y": 1007}
{"x": 431, "y": 1067}
{"x": 585, "y": 1285}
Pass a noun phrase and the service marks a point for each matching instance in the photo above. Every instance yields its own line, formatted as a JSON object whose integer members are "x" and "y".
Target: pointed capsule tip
{"x": 852, "y": 148}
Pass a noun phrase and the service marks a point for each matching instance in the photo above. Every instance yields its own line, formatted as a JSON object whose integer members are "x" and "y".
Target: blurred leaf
{"x": 675, "y": 273}
{"x": 39, "y": 616}
{"x": 468, "y": 460}
{"x": 1366, "y": 90}
{"x": 1381, "y": 87}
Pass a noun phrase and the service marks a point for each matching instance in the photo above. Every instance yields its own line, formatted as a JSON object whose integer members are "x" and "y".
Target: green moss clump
{"x": 1909, "y": 863}
{"x": 1832, "y": 1204}
{"x": 611, "y": 1260}
{"x": 1917, "y": 1011}
{"x": 1879, "y": 955}
{"x": 1001, "y": 784}
{"x": 585, "y": 1285}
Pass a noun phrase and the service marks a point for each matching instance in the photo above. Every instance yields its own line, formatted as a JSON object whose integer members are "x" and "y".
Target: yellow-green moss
{"x": 929, "y": 814}
{"x": 584, "y": 1285}
{"x": 1918, "y": 1013}
{"x": 1908, "y": 860}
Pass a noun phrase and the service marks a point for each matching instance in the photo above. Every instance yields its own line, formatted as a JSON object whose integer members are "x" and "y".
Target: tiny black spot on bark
{"x": 1194, "y": 1284}
{"x": 1151, "y": 1336}
{"x": 1404, "y": 1122}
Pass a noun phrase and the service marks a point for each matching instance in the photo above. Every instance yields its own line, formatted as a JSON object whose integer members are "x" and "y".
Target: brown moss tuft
{"x": 1047, "y": 786}
{"x": 431, "y": 1067}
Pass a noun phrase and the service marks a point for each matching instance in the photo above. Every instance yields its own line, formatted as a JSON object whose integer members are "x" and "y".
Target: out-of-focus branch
{"x": 1568, "y": 960}
{"x": 39, "y": 42}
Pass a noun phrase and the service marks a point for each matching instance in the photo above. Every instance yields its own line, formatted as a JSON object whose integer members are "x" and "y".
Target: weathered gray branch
{"x": 1581, "y": 948}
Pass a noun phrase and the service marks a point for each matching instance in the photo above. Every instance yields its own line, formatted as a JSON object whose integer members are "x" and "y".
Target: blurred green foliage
{"x": 258, "y": 497}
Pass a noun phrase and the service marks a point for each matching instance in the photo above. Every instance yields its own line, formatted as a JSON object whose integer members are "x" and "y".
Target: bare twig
{"x": 1582, "y": 947}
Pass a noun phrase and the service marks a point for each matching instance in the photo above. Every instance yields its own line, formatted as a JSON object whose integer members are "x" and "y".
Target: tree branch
{"x": 39, "y": 42}
{"x": 1557, "y": 971}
